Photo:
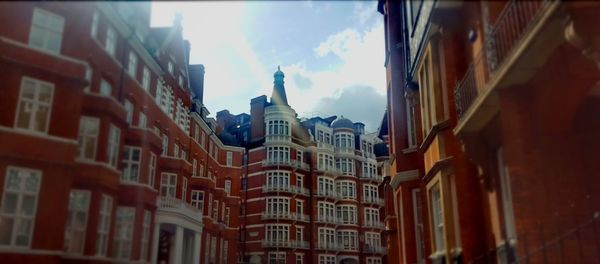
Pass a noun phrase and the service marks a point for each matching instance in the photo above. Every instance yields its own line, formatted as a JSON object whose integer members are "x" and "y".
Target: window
{"x": 223, "y": 211}
{"x": 146, "y": 79}
{"x": 168, "y": 183}
{"x": 196, "y": 132}
{"x": 151, "y": 169}
{"x": 437, "y": 216}
{"x": 299, "y": 233}
{"x": 326, "y": 238}
{"x": 278, "y": 154}
{"x": 277, "y": 232}
{"x": 194, "y": 167}
{"x": 371, "y": 216}
{"x": 344, "y": 140}
{"x": 198, "y": 200}
{"x": 145, "y": 234}
{"x": 184, "y": 189}
{"x": 123, "y": 232}
{"x": 418, "y": 220}
{"x": 79, "y": 203}
{"x": 142, "y": 120}
{"x": 326, "y": 211}
{"x": 299, "y": 156}
{"x": 183, "y": 155}
{"x": 225, "y": 252}
{"x": 35, "y": 103}
{"x": 95, "y": 22}
{"x": 19, "y": 205}
{"x": 112, "y": 153}
{"x": 88, "y": 77}
{"x": 278, "y": 179}
{"x": 370, "y": 192}
{"x": 103, "y": 225}
{"x": 326, "y": 259}
{"x": 132, "y": 66}
{"x": 105, "y": 88}
{"x": 129, "y": 109}
{"x": 299, "y": 181}
{"x": 276, "y": 258}
{"x": 111, "y": 41}
{"x": 278, "y": 206}
{"x": 210, "y": 200}
{"x": 299, "y": 207}
{"x": 180, "y": 81}
{"x": 202, "y": 140}
{"x": 170, "y": 67}
{"x": 201, "y": 172}
{"x": 372, "y": 239}
{"x": 229, "y": 158}
{"x": 507, "y": 203}
{"x": 371, "y": 260}
{"x": 325, "y": 161}
{"x": 215, "y": 210}
{"x": 432, "y": 105}
{"x": 369, "y": 170}
{"x": 228, "y": 187}
{"x": 213, "y": 252}
{"x": 175, "y": 150}
{"x": 88, "y": 137}
{"x": 411, "y": 124}
{"x": 226, "y": 217}
{"x": 325, "y": 186}
{"x": 299, "y": 258}
{"x": 165, "y": 145}
{"x": 348, "y": 239}
{"x": 345, "y": 165}
{"x": 46, "y": 30}
{"x": 347, "y": 214}
{"x": 346, "y": 189}
{"x": 278, "y": 127}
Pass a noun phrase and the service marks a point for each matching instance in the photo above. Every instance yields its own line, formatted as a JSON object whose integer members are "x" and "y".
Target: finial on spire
{"x": 279, "y": 69}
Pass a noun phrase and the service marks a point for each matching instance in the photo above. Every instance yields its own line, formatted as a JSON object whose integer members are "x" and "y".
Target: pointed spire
{"x": 278, "y": 96}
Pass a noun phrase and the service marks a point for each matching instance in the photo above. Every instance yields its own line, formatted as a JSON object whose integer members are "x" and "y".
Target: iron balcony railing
{"x": 374, "y": 249}
{"x": 373, "y": 200}
{"x": 278, "y": 138}
{"x": 284, "y": 216}
{"x": 329, "y": 246}
{"x": 325, "y": 146}
{"x": 328, "y": 219}
{"x": 285, "y": 188}
{"x": 371, "y": 176}
{"x": 178, "y": 206}
{"x": 327, "y": 193}
{"x": 375, "y": 224}
{"x": 514, "y": 22}
{"x": 285, "y": 243}
{"x": 286, "y": 162}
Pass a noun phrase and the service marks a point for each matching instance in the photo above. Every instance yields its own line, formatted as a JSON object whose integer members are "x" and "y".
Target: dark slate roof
{"x": 228, "y": 139}
{"x": 381, "y": 150}
{"x": 342, "y": 123}
{"x": 383, "y": 127}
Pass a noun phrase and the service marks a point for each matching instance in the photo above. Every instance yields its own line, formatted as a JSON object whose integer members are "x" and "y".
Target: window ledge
{"x": 436, "y": 129}
{"x": 410, "y": 149}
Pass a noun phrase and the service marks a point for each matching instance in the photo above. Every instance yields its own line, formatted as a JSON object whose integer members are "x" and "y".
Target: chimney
{"x": 257, "y": 117}
{"x": 197, "y": 81}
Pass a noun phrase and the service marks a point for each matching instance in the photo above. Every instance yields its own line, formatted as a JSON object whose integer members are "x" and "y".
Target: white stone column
{"x": 178, "y": 247}
{"x": 154, "y": 249}
{"x": 197, "y": 247}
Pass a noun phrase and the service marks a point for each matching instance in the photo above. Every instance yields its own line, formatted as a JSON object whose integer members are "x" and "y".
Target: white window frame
{"x": 417, "y": 204}
{"x": 168, "y": 184}
{"x": 437, "y": 220}
{"x": 197, "y": 200}
{"x": 229, "y": 158}
{"x": 74, "y": 240}
{"x": 104, "y": 216}
{"x": 85, "y": 135}
{"x": 277, "y": 205}
{"x": 20, "y": 216}
{"x": 145, "y": 240}
{"x": 152, "y": 169}
{"x": 123, "y": 237}
{"x": 184, "y": 189}
{"x": 146, "y": 79}
{"x": 276, "y": 258}
{"x": 129, "y": 109}
{"x": 110, "y": 42}
{"x": 112, "y": 153}
{"x": 142, "y": 120}
{"x": 94, "y": 25}
{"x": 105, "y": 88}
{"x": 277, "y": 232}
{"x": 34, "y": 104}
{"x": 227, "y": 187}
{"x": 51, "y": 24}
{"x": 132, "y": 65}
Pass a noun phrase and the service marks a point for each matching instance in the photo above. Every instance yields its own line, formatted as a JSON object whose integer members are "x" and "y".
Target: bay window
{"x": 34, "y": 106}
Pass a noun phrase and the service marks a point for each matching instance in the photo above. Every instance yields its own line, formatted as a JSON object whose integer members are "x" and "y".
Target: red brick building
{"x": 500, "y": 104}
{"x": 106, "y": 151}
{"x": 310, "y": 191}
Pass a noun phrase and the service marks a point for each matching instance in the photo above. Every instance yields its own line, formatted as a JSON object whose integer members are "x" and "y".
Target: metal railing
{"x": 514, "y": 22}
{"x": 284, "y": 216}
{"x": 374, "y": 249}
{"x": 329, "y": 246}
{"x": 327, "y": 193}
{"x": 285, "y": 188}
{"x": 278, "y": 138}
{"x": 371, "y": 176}
{"x": 344, "y": 150}
{"x": 375, "y": 224}
{"x": 373, "y": 200}
{"x": 325, "y": 146}
{"x": 286, "y": 162}
{"x": 327, "y": 219}
{"x": 175, "y": 205}
{"x": 285, "y": 243}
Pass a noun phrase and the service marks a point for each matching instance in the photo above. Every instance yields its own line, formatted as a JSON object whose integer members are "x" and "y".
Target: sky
{"x": 332, "y": 54}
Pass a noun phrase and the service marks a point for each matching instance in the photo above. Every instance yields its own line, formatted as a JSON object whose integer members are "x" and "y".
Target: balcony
{"x": 278, "y": 139}
{"x": 373, "y": 200}
{"x": 374, "y": 224}
{"x": 326, "y": 194}
{"x": 175, "y": 164}
{"x": 285, "y": 243}
{"x": 278, "y": 188}
{"x": 371, "y": 177}
{"x": 174, "y": 205}
{"x": 328, "y": 169}
{"x": 327, "y": 219}
{"x": 507, "y": 45}
{"x": 344, "y": 150}
{"x": 374, "y": 249}
{"x": 325, "y": 146}
{"x": 277, "y": 215}
{"x": 329, "y": 246}
{"x": 285, "y": 162}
